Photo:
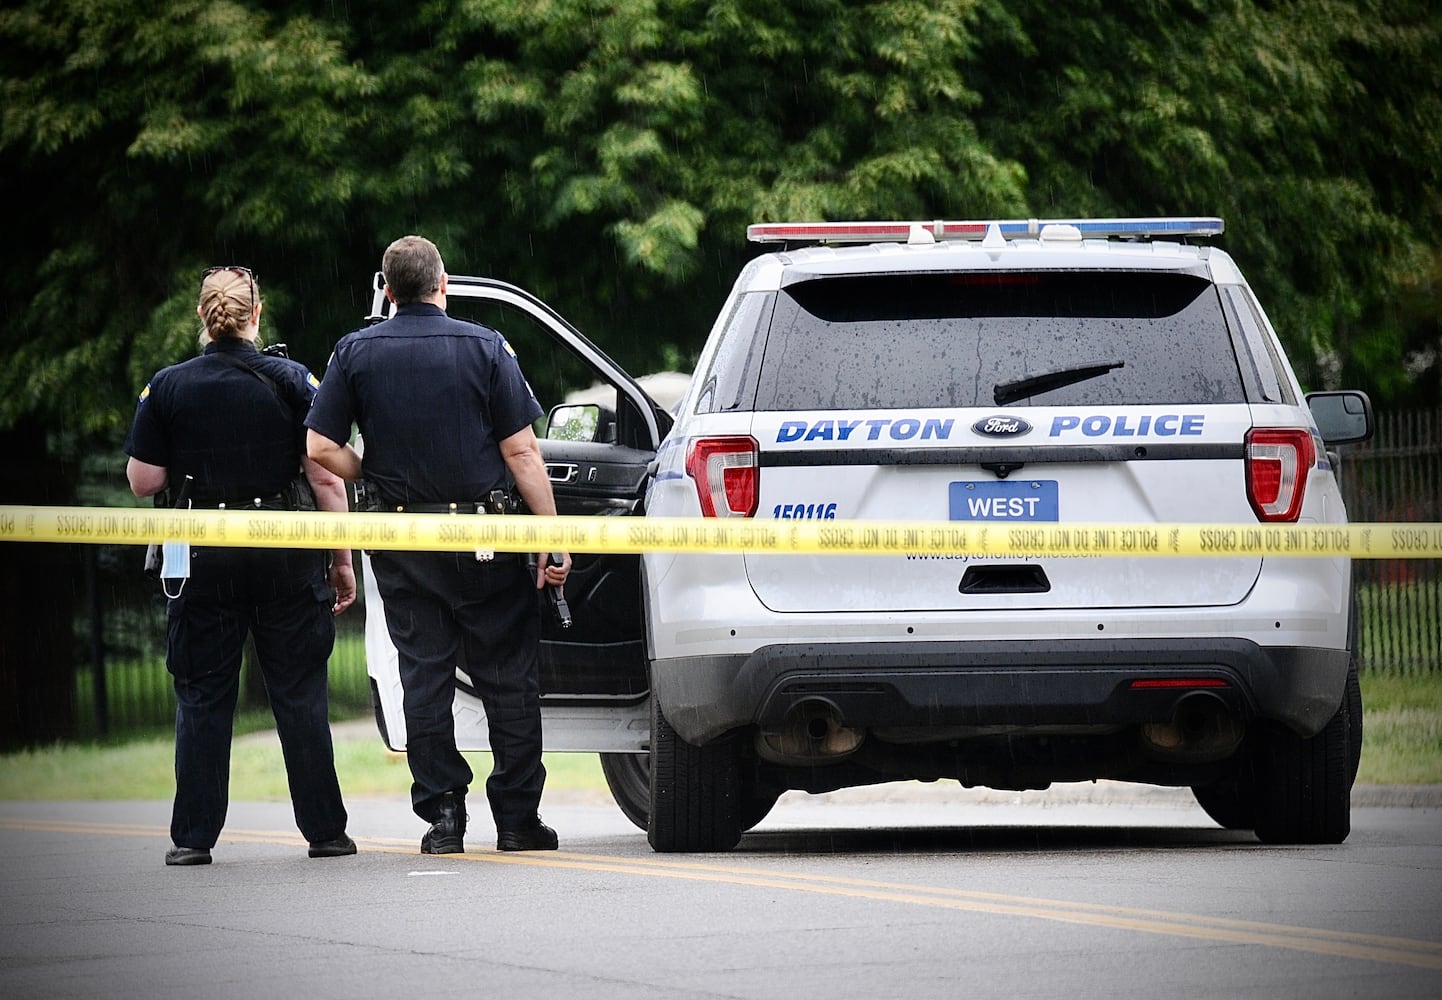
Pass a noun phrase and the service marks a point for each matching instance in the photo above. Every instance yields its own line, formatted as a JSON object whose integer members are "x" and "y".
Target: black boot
{"x": 448, "y": 829}
{"x": 532, "y": 836}
{"x": 187, "y": 856}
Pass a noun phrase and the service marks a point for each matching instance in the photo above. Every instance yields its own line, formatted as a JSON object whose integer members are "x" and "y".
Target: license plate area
{"x": 1004, "y": 500}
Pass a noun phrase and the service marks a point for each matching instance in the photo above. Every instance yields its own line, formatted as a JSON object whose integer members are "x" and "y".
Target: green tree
{"x": 581, "y": 149}
{"x": 139, "y": 142}
{"x": 1313, "y": 127}
{"x": 609, "y": 155}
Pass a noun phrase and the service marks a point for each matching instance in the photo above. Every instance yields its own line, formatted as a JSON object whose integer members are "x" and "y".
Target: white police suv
{"x": 1012, "y": 372}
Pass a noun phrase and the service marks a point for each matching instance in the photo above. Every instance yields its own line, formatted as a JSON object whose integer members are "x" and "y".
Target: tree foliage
{"x": 1313, "y": 127}
{"x": 609, "y": 155}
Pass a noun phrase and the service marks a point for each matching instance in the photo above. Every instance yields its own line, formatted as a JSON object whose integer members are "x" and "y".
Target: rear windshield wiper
{"x": 1010, "y": 392}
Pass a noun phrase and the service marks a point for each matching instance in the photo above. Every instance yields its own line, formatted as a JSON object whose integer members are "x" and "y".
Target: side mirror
{"x": 1343, "y": 417}
{"x": 580, "y": 422}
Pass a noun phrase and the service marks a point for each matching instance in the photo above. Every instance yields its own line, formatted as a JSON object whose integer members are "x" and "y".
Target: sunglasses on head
{"x": 246, "y": 272}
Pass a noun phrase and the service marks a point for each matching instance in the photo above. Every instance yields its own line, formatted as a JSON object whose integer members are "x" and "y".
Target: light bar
{"x": 892, "y": 232}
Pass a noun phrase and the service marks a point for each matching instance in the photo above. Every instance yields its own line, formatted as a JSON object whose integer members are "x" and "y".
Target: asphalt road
{"x": 912, "y": 891}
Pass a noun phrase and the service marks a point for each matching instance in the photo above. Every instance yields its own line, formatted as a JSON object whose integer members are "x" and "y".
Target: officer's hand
{"x": 548, "y": 572}
{"x": 342, "y": 580}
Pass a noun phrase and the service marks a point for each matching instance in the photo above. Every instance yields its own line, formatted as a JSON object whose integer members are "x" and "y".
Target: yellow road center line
{"x": 1345, "y": 944}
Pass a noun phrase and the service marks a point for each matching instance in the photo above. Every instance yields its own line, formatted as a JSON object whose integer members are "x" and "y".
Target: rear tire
{"x": 1353, "y": 699}
{"x": 1353, "y": 696}
{"x": 628, "y": 776}
{"x": 696, "y": 792}
{"x": 1304, "y": 786}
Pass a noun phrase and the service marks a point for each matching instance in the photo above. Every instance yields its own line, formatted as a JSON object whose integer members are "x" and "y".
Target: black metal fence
{"x": 122, "y": 686}
{"x": 1397, "y": 476}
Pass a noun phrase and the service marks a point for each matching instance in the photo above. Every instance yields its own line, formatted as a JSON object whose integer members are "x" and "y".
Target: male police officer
{"x": 445, "y": 413}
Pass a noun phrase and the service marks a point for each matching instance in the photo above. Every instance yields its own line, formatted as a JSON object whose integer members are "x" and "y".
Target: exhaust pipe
{"x": 1201, "y": 729}
{"x": 812, "y": 733}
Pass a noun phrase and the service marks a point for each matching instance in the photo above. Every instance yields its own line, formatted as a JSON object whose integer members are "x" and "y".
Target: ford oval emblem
{"x": 1001, "y": 426}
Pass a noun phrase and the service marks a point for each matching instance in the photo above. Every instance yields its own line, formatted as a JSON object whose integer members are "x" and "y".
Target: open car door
{"x": 598, "y": 457}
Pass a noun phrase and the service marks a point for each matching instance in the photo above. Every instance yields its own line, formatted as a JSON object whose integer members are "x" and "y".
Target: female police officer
{"x": 231, "y": 420}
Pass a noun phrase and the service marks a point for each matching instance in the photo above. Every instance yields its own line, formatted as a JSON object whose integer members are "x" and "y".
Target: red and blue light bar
{"x": 939, "y": 229}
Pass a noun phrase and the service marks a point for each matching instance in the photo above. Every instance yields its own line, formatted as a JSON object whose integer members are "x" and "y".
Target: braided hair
{"x": 227, "y": 301}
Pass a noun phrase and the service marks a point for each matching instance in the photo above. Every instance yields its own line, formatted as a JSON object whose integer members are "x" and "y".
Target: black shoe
{"x": 448, "y": 829}
{"x": 337, "y": 847}
{"x": 187, "y": 856}
{"x": 536, "y": 836}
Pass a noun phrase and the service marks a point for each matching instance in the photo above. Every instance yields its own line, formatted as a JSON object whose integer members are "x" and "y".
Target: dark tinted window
{"x": 890, "y": 341}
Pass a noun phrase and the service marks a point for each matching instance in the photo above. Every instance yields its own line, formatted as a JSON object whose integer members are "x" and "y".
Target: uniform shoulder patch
{"x": 145, "y": 393}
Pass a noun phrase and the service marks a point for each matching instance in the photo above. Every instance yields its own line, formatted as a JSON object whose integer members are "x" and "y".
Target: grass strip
{"x": 1402, "y": 746}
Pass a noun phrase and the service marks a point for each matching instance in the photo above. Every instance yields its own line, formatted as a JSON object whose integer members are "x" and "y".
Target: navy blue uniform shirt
{"x": 433, "y": 397}
{"x": 206, "y": 418}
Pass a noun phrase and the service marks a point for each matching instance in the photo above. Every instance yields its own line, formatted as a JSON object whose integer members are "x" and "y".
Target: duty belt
{"x": 276, "y": 501}
{"x": 495, "y": 505}
{"x": 472, "y": 507}
{"x": 498, "y": 501}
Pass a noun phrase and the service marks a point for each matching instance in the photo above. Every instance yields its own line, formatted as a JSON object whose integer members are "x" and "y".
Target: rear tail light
{"x": 726, "y": 474}
{"x": 1279, "y": 460}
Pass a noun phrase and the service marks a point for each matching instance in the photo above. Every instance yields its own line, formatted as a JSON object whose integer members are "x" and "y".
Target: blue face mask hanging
{"x": 174, "y": 564}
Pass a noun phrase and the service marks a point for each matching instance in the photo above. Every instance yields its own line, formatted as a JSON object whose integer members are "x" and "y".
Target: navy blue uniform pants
{"x": 281, "y": 598}
{"x": 446, "y": 610}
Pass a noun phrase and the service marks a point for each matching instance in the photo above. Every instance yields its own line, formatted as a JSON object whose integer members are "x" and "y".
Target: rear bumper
{"x": 1032, "y": 683}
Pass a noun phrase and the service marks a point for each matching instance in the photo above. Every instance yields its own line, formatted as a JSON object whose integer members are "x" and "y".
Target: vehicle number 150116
{"x": 804, "y": 512}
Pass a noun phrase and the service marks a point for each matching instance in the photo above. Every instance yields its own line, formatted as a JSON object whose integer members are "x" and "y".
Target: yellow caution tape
{"x": 447, "y": 532}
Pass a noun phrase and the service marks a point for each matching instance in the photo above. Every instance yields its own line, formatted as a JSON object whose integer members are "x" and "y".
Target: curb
{"x": 1397, "y": 796}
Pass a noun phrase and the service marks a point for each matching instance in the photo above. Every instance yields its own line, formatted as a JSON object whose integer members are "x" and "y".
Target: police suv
{"x": 1009, "y": 373}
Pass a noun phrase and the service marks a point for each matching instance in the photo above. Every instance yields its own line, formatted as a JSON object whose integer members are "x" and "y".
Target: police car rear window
{"x": 919, "y": 340}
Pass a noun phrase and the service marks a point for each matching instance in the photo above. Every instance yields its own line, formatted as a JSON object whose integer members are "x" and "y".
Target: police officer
{"x": 231, "y": 420}
{"x": 446, "y": 415}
